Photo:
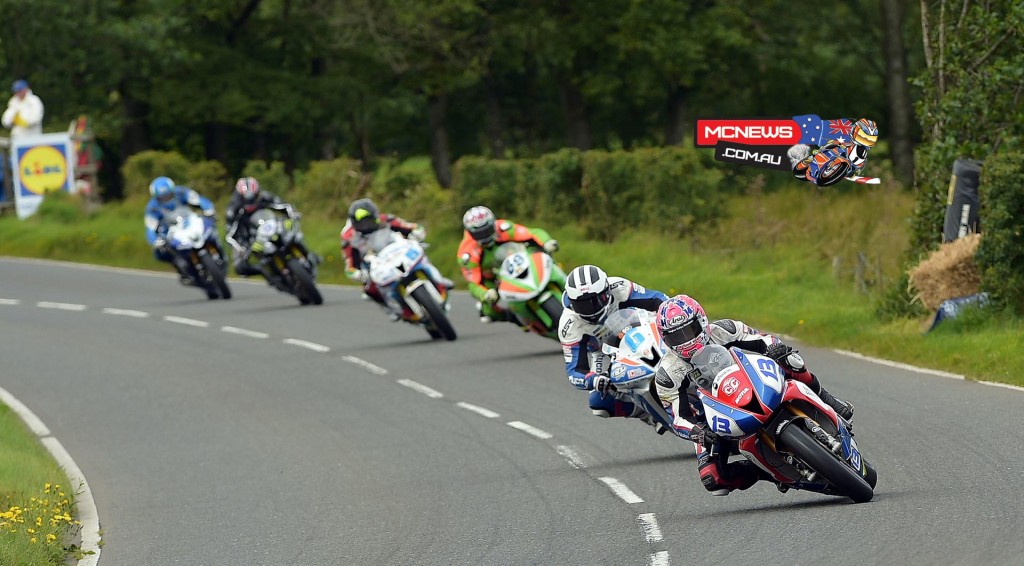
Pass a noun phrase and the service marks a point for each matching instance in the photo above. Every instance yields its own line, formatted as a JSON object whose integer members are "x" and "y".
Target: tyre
{"x": 842, "y": 477}
{"x": 552, "y": 306}
{"x": 435, "y": 311}
{"x": 215, "y": 276}
{"x": 305, "y": 289}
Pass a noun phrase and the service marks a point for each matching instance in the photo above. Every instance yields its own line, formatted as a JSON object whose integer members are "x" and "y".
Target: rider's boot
{"x": 843, "y": 408}
{"x": 182, "y": 268}
{"x": 644, "y": 416}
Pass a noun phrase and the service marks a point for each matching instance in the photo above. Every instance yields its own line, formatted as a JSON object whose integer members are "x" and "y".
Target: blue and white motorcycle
{"x": 193, "y": 240}
{"x": 410, "y": 284}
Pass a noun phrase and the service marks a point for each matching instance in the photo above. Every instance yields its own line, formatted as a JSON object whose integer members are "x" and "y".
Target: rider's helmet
{"x": 364, "y": 216}
{"x": 865, "y": 132}
{"x": 479, "y": 222}
{"x": 162, "y": 189}
{"x": 589, "y": 293}
{"x": 683, "y": 325}
{"x": 248, "y": 188}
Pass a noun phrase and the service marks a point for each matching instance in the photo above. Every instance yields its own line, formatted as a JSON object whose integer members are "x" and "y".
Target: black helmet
{"x": 364, "y": 216}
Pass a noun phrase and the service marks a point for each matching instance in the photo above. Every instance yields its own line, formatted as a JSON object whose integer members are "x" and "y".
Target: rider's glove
{"x": 551, "y": 246}
{"x": 210, "y": 213}
{"x": 360, "y": 275}
{"x": 490, "y": 297}
{"x": 418, "y": 234}
{"x": 159, "y": 243}
{"x": 701, "y": 434}
{"x": 602, "y": 384}
{"x": 786, "y": 357}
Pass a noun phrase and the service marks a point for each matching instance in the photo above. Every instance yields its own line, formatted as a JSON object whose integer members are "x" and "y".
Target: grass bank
{"x": 36, "y": 504}
{"x": 783, "y": 260}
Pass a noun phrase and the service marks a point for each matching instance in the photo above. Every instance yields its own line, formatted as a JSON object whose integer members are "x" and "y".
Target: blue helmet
{"x": 162, "y": 189}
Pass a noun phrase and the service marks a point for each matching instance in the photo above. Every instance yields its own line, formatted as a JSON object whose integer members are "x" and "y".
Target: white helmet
{"x": 479, "y": 222}
{"x": 589, "y": 293}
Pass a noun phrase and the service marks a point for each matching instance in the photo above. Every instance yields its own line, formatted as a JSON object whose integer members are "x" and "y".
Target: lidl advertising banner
{"x": 40, "y": 164}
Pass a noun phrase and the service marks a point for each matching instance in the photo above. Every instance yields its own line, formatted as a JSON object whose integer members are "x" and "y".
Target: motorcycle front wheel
{"x": 436, "y": 313}
{"x": 842, "y": 477}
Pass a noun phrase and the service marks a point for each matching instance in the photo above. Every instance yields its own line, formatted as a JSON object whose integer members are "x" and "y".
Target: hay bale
{"x": 948, "y": 272}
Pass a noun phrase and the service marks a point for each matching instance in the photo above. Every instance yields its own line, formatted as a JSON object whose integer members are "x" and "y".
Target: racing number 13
{"x": 720, "y": 425}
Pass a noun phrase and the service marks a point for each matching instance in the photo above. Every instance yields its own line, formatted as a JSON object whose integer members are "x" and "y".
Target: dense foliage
{"x": 972, "y": 102}
{"x": 1001, "y": 253}
{"x": 300, "y": 80}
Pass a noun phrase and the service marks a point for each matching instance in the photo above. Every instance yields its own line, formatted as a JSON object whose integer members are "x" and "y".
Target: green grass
{"x": 34, "y": 496}
{"x": 767, "y": 262}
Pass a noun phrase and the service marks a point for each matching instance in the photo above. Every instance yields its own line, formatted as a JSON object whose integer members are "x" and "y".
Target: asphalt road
{"x": 206, "y": 445}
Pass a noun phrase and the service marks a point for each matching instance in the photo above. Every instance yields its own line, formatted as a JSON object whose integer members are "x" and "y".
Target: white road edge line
{"x": 244, "y": 332}
{"x": 432, "y": 393}
{"x": 187, "y": 321}
{"x": 60, "y": 306}
{"x": 575, "y": 460}
{"x": 900, "y": 365}
{"x": 649, "y": 526}
{"x": 10, "y": 302}
{"x": 659, "y": 558}
{"x": 370, "y": 367}
{"x": 309, "y": 345}
{"x": 529, "y": 429}
{"x": 85, "y": 505}
{"x": 1003, "y": 385}
{"x": 125, "y": 312}
{"x": 478, "y": 410}
{"x": 620, "y": 489}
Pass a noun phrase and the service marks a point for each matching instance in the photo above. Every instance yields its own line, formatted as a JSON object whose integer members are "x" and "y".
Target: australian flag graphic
{"x": 815, "y": 131}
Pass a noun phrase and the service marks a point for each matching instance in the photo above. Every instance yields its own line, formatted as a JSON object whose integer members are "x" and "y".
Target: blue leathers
{"x": 157, "y": 209}
{"x": 581, "y": 341}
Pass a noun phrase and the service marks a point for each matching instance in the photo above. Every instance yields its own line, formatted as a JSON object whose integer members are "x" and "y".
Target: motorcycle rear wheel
{"x": 436, "y": 313}
{"x": 220, "y": 283}
{"x": 553, "y": 308}
{"x": 842, "y": 477}
{"x": 305, "y": 288}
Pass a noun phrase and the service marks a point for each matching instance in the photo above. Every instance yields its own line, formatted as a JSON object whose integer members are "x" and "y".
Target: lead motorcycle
{"x": 193, "y": 239}
{"x": 410, "y": 283}
{"x": 531, "y": 285}
{"x": 279, "y": 246}
{"x": 780, "y": 425}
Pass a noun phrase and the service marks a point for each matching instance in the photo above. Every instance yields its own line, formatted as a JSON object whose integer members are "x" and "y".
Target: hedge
{"x": 670, "y": 189}
{"x": 1001, "y": 253}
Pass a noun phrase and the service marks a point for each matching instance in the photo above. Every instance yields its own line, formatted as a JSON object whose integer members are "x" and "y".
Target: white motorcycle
{"x": 409, "y": 283}
{"x": 193, "y": 239}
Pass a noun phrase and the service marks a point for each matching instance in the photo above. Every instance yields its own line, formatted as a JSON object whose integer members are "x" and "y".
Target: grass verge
{"x": 36, "y": 504}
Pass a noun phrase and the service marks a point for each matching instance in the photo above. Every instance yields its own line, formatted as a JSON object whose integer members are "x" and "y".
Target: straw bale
{"x": 948, "y": 272}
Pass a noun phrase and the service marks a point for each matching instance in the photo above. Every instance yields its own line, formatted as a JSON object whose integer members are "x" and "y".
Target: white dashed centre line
{"x": 432, "y": 393}
{"x": 478, "y": 410}
{"x": 372, "y": 368}
{"x": 649, "y": 526}
{"x": 60, "y": 306}
{"x": 10, "y": 302}
{"x": 659, "y": 558}
{"x": 308, "y": 345}
{"x": 620, "y": 489}
{"x": 126, "y": 312}
{"x": 530, "y": 429}
{"x": 575, "y": 460}
{"x": 244, "y": 332}
{"x": 187, "y": 321}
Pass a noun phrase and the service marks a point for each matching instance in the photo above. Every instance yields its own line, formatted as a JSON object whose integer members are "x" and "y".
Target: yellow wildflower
{"x": 33, "y": 540}
{"x": 31, "y": 531}
{"x": 51, "y": 537}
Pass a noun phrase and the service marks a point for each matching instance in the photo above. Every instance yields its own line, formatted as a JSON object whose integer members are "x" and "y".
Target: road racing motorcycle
{"x": 780, "y": 425}
{"x": 192, "y": 240}
{"x": 289, "y": 267}
{"x": 531, "y": 285}
{"x": 410, "y": 283}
